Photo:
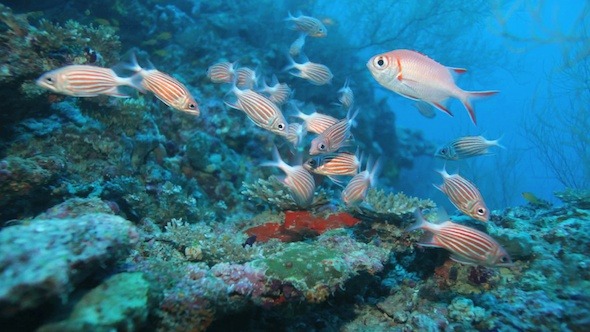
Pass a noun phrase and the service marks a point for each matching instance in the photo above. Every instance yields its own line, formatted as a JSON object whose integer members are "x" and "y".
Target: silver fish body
{"x": 85, "y": 81}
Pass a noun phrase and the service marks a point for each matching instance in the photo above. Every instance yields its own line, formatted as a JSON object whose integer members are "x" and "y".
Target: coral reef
{"x": 119, "y": 303}
{"x": 46, "y": 258}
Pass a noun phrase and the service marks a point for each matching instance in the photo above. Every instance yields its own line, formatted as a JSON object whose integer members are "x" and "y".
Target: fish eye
{"x": 481, "y": 211}
{"x": 281, "y": 126}
{"x": 503, "y": 259}
{"x": 49, "y": 80}
{"x": 322, "y": 146}
{"x": 192, "y": 106}
{"x": 444, "y": 150}
{"x": 311, "y": 162}
{"x": 381, "y": 62}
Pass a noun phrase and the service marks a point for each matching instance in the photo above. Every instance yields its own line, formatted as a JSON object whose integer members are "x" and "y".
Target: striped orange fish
{"x": 334, "y": 164}
{"x": 165, "y": 87}
{"x": 334, "y": 137}
{"x": 418, "y": 77}
{"x": 221, "y": 72}
{"x": 85, "y": 81}
{"x": 314, "y": 73}
{"x": 307, "y": 24}
{"x": 345, "y": 95}
{"x": 467, "y": 245}
{"x": 464, "y": 195}
{"x": 246, "y": 78}
{"x": 315, "y": 122}
{"x": 278, "y": 93}
{"x": 466, "y": 147}
{"x": 299, "y": 181}
{"x": 263, "y": 112}
{"x": 356, "y": 190}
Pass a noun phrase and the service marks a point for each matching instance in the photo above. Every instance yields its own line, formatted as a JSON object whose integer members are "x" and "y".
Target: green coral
{"x": 306, "y": 266}
{"x": 273, "y": 193}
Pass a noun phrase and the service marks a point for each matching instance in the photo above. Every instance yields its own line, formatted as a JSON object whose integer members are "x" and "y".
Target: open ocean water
{"x": 294, "y": 165}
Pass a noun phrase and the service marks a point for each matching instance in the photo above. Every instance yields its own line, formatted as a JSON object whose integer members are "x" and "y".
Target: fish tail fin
{"x": 420, "y": 221}
{"x": 470, "y": 95}
{"x": 276, "y": 161}
{"x": 291, "y": 64}
{"x": 351, "y": 116}
{"x": 375, "y": 171}
{"x": 496, "y": 142}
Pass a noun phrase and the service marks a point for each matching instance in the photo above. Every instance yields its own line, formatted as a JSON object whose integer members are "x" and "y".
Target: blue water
{"x": 181, "y": 190}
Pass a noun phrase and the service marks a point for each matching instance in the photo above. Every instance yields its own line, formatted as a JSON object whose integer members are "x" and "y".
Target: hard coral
{"x": 274, "y": 194}
{"x": 390, "y": 206}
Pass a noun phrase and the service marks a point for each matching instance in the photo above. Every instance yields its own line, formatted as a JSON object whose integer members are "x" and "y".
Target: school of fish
{"x": 332, "y": 151}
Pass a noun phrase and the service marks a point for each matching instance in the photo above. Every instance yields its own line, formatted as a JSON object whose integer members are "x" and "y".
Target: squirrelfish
{"x": 314, "y": 73}
{"x": 165, "y": 87}
{"x": 307, "y": 24}
{"x": 416, "y": 76}
{"x": 466, "y": 147}
{"x": 467, "y": 245}
{"x": 345, "y": 95}
{"x": 297, "y": 45}
{"x": 464, "y": 195}
{"x": 221, "y": 72}
{"x": 315, "y": 122}
{"x": 299, "y": 181}
{"x": 85, "y": 81}
{"x": 334, "y": 164}
{"x": 263, "y": 112}
{"x": 278, "y": 93}
{"x": 334, "y": 137}
{"x": 356, "y": 190}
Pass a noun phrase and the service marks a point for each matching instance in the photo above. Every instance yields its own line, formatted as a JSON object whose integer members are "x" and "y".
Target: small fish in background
{"x": 278, "y": 93}
{"x": 466, "y": 147}
{"x": 85, "y": 81}
{"x": 263, "y": 112}
{"x": 315, "y": 122}
{"x": 246, "y": 78}
{"x": 308, "y": 25}
{"x": 299, "y": 181}
{"x": 296, "y": 133}
{"x": 334, "y": 165}
{"x": 345, "y": 95}
{"x": 314, "y": 73}
{"x": 417, "y": 77}
{"x": 165, "y": 87}
{"x": 249, "y": 241}
{"x": 334, "y": 137}
{"x": 356, "y": 190}
{"x": 464, "y": 195}
{"x": 425, "y": 109}
{"x": 221, "y": 72}
{"x": 467, "y": 245}
{"x": 533, "y": 200}
{"x": 297, "y": 45}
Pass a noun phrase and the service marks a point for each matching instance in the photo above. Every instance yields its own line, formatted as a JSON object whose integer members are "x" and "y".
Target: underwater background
{"x": 130, "y": 214}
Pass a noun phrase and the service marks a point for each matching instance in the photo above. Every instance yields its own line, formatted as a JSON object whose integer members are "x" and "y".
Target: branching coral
{"x": 273, "y": 193}
{"x": 390, "y": 206}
